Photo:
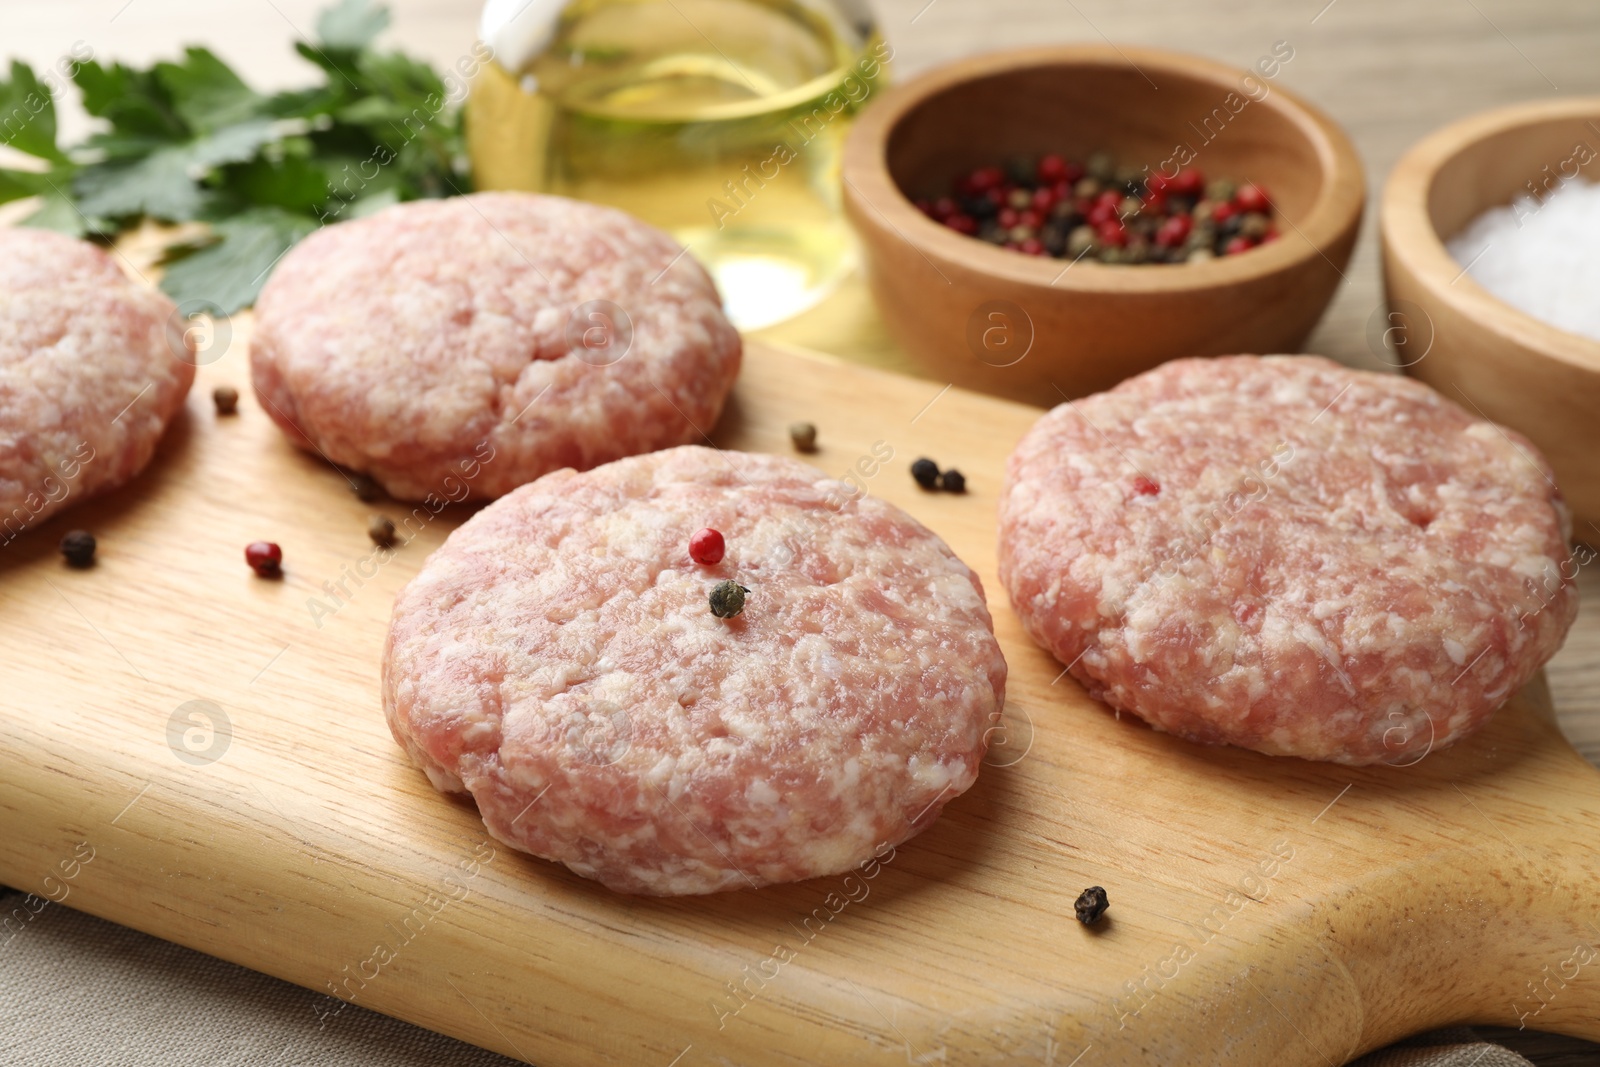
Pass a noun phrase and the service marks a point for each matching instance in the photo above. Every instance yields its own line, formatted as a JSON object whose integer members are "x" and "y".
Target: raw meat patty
{"x": 91, "y": 373}
{"x": 437, "y": 334}
{"x": 557, "y": 658}
{"x": 1287, "y": 555}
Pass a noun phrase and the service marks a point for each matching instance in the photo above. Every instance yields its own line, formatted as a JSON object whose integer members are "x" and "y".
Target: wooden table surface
{"x": 1389, "y": 71}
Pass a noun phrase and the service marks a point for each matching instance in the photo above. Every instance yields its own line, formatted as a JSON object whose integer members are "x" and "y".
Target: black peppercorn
{"x": 953, "y": 481}
{"x": 381, "y": 529}
{"x": 926, "y": 473}
{"x": 226, "y": 399}
{"x": 727, "y": 599}
{"x": 1091, "y": 904}
{"x": 980, "y": 207}
{"x": 1054, "y": 236}
{"x": 78, "y": 548}
{"x": 365, "y": 487}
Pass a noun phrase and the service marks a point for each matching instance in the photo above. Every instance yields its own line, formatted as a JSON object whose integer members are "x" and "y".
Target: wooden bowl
{"x": 1472, "y": 347}
{"x": 1036, "y": 329}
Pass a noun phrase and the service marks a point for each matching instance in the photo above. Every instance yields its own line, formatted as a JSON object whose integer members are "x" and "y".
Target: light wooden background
{"x": 1388, "y": 70}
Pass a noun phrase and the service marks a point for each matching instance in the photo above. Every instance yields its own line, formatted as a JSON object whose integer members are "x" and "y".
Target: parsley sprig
{"x": 190, "y": 141}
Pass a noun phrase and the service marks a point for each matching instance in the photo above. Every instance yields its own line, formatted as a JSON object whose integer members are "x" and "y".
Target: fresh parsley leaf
{"x": 110, "y": 146}
{"x": 28, "y": 115}
{"x": 158, "y": 185}
{"x": 132, "y": 101}
{"x": 231, "y": 144}
{"x": 343, "y": 209}
{"x": 57, "y": 211}
{"x": 340, "y": 71}
{"x": 228, "y": 273}
{"x": 205, "y": 92}
{"x": 398, "y": 77}
{"x": 308, "y": 104}
{"x": 371, "y": 203}
{"x": 17, "y": 184}
{"x": 294, "y": 182}
{"x": 352, "y": 25}
{"x": 166, "y": 184}
{"x": 374, "y": 111}
{"x": 190, "y": 140}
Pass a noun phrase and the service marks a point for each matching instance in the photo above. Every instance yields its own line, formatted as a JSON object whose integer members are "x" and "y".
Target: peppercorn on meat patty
{"x": 1288, "y": 555}
{"x": 92, "y": 369}
{"x": 558, "y": 658}
{"x": 467, "y": 346}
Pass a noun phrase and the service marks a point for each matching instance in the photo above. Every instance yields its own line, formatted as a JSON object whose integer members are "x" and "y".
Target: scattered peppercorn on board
{"x": 217, "y": 740}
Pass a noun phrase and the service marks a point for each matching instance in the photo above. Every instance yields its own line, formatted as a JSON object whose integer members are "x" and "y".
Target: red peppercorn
{"x": 1174, "y": 231}
{"x": 1154, "y": 202}
{"x": 926, "y": 207}
{"x": 986, "y": 178}
{"x": 1032, "y": 246}
{"x": 1237, "y": 244}
{"x": 1271, "y": 235}
{"x": 1158, "y": 183}
{"x": 944, "y": 207}
{"x": 1144, "y": 486}
{"x": 706, "y": 547}
{"x": 1252, "y": 198}
{"x": 1223, "y": 212}
{"x": 1112, "y": 233}
{"x": 1061, "y": 191}
{"x": 1075, "y": 172}
{"x": 1052, "y": 168}
{"x": 962, "y": 223}
{"x": 1008, "y": 217}
{"x": 1030, "y": 218}
{"x": 265, "y": 558}
{"x": 1044, "y": 198}
{"x": 1100, "y": 213}
{"x": 1188, "y": 182}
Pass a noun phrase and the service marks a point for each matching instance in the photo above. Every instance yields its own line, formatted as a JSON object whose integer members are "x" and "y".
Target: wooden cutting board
{"x": 1264, "y": 911}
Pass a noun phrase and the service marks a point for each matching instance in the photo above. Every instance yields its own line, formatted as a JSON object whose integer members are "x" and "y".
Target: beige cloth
{"x": 1459, "y": 1047}
{"x": 81, "y": 991}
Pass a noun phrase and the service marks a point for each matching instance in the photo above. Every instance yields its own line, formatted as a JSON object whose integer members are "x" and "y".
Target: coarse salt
{"x": 1541, "y": 256}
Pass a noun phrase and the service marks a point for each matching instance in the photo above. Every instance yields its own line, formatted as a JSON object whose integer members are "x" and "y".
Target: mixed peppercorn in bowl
{"x": 1044, "y": 222}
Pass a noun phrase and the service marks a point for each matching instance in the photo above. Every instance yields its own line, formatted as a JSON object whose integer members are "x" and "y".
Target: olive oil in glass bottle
{"x": 720, "y": 121}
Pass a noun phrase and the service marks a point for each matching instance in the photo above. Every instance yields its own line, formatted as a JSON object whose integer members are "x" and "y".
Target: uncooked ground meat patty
{"x": 90, "y": 375}
{"x": 413, "y": 343}
{"x": 557, "y": 659}
{"x": 1288, "y": 555}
